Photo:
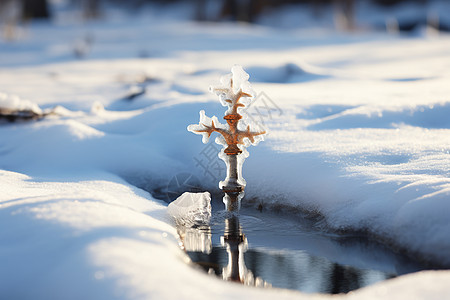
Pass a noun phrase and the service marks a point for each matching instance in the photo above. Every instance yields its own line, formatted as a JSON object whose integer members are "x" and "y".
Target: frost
{"x": 236, "y": 93}
{"x": 191, "y": 209}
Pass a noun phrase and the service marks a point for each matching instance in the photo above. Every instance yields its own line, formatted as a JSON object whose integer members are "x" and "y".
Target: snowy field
{"x": 359, "y": 136}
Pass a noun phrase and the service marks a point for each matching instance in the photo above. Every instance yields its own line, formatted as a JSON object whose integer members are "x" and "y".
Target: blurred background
{"x": 43, "y": 31}
{"x": 388, "y": 15}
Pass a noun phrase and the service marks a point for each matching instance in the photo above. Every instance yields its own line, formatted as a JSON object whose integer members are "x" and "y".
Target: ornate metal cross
{"x": 236, "y": 135}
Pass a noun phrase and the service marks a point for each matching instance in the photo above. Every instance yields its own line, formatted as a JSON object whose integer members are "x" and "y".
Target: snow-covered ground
{"x": 359, "y": 134}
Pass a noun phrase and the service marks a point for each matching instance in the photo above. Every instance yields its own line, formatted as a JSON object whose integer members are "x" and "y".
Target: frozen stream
{"x": 265, "y": 248}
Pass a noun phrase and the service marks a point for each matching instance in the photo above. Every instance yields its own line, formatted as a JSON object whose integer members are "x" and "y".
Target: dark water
{"x": 270, "y": 249}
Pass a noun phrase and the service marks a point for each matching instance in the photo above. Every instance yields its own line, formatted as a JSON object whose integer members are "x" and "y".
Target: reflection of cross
{"x": 232, "y": 239}
{"x": 236, "y": 244}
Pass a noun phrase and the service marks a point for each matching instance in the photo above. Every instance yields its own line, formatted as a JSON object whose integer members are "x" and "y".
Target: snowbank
{"x": 359, "y": 133}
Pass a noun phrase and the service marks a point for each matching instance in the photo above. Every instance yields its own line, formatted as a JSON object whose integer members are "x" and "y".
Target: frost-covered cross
{"x": 236, "y": 93}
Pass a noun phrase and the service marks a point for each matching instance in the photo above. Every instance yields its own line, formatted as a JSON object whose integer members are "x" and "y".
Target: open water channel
{"x": 265, "y": 248}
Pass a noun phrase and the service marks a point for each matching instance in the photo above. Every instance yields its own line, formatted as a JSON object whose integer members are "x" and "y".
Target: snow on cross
{"x": 236, "y": 135}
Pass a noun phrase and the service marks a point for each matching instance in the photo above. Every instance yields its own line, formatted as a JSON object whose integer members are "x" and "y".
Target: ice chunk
{"x": 191, "y": 209}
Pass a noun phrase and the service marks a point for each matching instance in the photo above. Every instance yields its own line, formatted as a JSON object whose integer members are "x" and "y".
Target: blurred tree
{"x": 393, "y": 2}
{"x": 344, "y": 14}
{"x": 35, "y": 9}
{"x": 200, "y": 10}
{"x": 318, "y": 6}
{"x": 10, "y": 16}
{"x": 91, "y": 9}
{"x": 244, "y": 11}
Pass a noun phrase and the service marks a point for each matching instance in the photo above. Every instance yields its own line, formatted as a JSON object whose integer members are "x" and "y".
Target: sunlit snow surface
{"x": 359, "y": 133}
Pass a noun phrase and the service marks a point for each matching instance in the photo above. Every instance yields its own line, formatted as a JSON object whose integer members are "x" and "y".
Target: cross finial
{"x": 235, "y": 93}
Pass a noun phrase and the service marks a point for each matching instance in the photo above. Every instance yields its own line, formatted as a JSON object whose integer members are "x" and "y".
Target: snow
{"x": 10, "y": 103}
{"x": 94, "y": 239}
{"x": 359, "y": 134}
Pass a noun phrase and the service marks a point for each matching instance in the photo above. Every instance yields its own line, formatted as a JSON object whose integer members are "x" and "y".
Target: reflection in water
{"x": 236, "y": 245}
{"x": 234, "y": 242}
{"x": 198, "y": 240}
{"x": 287, "y": 267}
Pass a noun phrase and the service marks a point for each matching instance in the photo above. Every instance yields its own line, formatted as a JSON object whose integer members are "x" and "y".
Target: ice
{"x": 191, "y": 209}
{"x": 232, "y": 84}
